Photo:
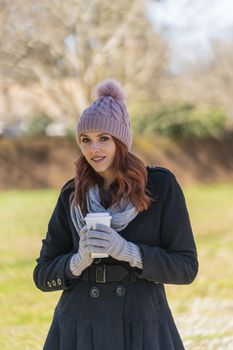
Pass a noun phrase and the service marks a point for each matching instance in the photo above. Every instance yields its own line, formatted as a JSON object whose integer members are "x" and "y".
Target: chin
{"x": 100, "y": 171}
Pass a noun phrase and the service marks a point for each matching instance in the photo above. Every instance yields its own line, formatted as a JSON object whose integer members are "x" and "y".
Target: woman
{"x": 117, "y": 302}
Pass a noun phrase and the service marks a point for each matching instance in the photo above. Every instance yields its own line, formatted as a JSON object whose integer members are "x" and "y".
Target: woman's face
{"x": 99, "y": 150}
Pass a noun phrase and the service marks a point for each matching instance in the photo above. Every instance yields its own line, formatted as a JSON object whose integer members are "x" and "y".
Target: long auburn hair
{"x": 130, "y": 182}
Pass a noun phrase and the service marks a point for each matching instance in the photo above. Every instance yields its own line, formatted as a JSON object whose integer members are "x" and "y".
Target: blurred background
{"x": 175, "y": 61}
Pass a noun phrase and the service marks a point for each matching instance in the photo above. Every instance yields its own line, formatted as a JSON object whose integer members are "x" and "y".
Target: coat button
{"x": 120, "y": 291}
{"x": 54, "y": 283}
{"x": 49, "y": 284}
{"x": 97, "y": 260}
{"x": 59, "y": 281}
{"x": 94, "y": 292}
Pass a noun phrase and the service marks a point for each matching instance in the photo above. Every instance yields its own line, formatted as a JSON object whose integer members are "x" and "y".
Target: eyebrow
{"x": 97, "y": 135}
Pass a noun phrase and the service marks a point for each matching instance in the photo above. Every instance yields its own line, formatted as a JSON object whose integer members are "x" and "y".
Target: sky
{"x": 191, "y": 27}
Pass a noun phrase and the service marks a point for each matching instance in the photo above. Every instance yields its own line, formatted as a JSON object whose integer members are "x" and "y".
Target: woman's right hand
{"x": 84, "y": 252}
{"x": 82, "y": 259}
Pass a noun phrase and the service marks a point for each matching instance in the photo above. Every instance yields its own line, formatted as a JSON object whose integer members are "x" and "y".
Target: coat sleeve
{"x": 50, "y": 271}
{"x": 175, "y": 262}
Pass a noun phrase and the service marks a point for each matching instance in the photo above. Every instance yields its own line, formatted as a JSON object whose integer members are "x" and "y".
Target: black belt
{"x": 108, "y": 273}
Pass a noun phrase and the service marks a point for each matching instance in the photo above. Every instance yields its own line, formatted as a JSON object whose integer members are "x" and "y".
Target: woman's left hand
{"x": 106, "y": 240}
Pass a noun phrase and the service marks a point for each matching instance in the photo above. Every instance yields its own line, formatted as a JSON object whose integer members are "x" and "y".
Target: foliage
{"x": 36, "y": 123}
{"x": 181, "y": 121}
{"x": 71, "y": 131}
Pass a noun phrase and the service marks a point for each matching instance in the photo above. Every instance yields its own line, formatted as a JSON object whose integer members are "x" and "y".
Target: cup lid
{"x": 94, "y": 215}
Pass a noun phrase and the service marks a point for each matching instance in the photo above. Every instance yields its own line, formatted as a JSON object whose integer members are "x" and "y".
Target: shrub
{"x": 182, "y": 121}
{"x": 36, "y": 123}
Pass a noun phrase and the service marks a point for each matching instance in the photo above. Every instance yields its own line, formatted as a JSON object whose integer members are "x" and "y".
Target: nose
{"x": 95, "y": 147}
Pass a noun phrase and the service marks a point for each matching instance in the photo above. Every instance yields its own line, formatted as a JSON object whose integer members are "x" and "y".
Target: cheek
{"x": 84, "y": 149}
{"x": 111, "y": 153}
{"x": 112, "y": 149}
{"x": 85, "y": 155}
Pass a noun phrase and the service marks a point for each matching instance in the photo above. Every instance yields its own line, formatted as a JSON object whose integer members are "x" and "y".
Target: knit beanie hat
{"x": 107, "y": 113}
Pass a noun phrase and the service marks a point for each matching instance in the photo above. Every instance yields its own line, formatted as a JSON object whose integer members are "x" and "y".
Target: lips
{"x": 97, "y": 159}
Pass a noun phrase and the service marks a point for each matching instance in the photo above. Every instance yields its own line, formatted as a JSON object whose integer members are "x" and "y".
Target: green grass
{"x": 26, "y": 312}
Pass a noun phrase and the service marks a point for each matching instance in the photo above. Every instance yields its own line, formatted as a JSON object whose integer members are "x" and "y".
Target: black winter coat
{"x": 121, "y": 315}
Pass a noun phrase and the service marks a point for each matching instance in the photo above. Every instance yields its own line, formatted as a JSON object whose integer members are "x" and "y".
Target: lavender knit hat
{"x": 107, "y": 113}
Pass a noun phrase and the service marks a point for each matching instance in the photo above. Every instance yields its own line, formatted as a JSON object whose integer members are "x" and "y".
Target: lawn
{"x": 203, "y": 310}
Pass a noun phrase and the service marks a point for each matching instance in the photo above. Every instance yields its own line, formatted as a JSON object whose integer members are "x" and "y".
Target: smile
{"x": 97, "y": 159}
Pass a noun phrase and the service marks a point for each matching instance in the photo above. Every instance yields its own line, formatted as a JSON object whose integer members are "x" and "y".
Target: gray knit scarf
{"x": 121, "y": 215}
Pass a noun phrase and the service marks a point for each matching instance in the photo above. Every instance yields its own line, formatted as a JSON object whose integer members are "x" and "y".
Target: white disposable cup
{"x": 97, "y": 218}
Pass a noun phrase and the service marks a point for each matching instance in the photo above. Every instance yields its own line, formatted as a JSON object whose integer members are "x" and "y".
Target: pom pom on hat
{"x": 110, "y": 87}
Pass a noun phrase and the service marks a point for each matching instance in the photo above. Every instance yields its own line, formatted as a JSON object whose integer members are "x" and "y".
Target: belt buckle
{"x": 100, "y": 274}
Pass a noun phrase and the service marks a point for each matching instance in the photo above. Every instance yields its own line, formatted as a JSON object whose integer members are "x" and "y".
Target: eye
{"x": 104, "y": 138}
